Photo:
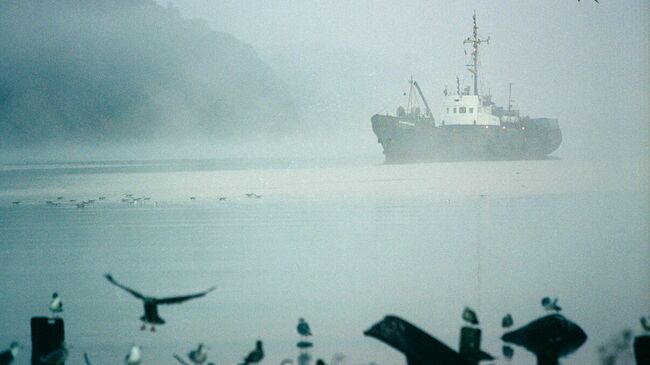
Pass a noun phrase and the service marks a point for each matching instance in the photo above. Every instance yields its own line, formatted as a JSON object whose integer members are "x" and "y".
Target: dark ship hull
{"x": 418, "y": 139}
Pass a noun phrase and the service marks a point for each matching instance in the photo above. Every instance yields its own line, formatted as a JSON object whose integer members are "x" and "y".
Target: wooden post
{"x": 642, "y": 350}
{"x": 47, "y": 335}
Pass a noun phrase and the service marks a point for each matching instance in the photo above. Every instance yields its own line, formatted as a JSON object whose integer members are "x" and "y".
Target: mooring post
{"x": 48, "y": 334}
{"x": 642, "y": 350}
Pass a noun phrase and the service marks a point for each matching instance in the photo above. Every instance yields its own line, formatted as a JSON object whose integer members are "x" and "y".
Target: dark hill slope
{"x": 109, "y": 71}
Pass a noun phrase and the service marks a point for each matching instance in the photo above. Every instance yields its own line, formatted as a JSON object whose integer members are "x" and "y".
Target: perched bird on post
{"x": 56, "y": 305}
{"x": 9, "y": 355}
{"x": 470, "y": 316}
{"x": 151, "y": 303}
{"x": 507, "y": 321}
{"x": 256, "y": 355}
{"x": 550, "y": 305}
{"x": 134, "y": 357}
{"x": 303, "y": 328}
{"x": 198, "y": 356}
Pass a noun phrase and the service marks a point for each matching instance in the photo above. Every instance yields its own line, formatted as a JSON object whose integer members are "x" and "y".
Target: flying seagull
{"x": 198, "y": 356}
{"x": 151, "y": 303}
{"x": 303, "y": 328}
{"x": 254, "y": 356}
{"x": 56, "y": 305}
{"x": 9, "y": 355}
{"x": 550, "y": 305}
{"x": 134, "y": 357}
{"x": 470, "y": 316}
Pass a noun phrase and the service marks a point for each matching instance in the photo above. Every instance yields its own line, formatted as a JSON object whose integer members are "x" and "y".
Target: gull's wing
{"x": 109, "y": 277}
{"x": 182, "y": 298}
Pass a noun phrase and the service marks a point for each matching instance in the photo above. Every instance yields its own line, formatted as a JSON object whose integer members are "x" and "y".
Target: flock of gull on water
{"x": 130, "y": 199}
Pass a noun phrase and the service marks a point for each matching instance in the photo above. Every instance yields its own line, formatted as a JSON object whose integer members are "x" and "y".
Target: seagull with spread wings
{"x": 151, "y": 303}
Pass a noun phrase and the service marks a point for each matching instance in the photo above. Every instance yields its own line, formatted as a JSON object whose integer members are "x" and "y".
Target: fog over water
{"x": 336, "y": 236}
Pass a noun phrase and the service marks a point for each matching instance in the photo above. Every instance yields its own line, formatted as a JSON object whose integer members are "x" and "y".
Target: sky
{"x": 585, "y": 63}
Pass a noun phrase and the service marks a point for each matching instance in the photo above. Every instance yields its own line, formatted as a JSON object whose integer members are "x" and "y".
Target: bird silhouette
{"x": 151, "y": 303}
{"x": 507, "y": 321}
{"x": 303, "y": 328}
{"x": 56, "y": 357}
{"x": 9, "y": 355}
{"x": 198, "y": 356}
{"x": 56, "y": 305}
{"x": 134, "y": 357}
{"x": 550, "y": 305}
{"x": 470, "y": 316}
{"x": 256, "y": 355}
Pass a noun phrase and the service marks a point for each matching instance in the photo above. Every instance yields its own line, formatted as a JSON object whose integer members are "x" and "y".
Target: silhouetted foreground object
{"x": 9, "y": 355}
{"x": 507, "y": 321}
{"x": 256, "y": 355}
{"x": 48, "y": 335}
{"x": 198, "y": 356}
{"x": 151, "y": 304}
{"x": 303, "y": 328}
{"x": 550, "y": 305}
{"x": 642, "y": 350}
{"x": 304, "y": 344}
{"x": 549, "y": 338}
{"x": 507, "y": 351}
{"x": 470, "y": 316}
{"x": 418, "y": 346}
{"x": 470, "y": 345}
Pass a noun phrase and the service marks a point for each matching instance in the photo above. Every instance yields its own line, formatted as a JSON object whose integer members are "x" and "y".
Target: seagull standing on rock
{"x": 550, "y": 305}
{"x": 470, "y": 316}
{"x": 9, "y": 355}
{"x": 255, "y": 356}
{"x": 56, "y": 305}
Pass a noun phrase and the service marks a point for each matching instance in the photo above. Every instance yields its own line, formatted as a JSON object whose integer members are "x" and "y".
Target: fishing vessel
{"x": 470, "y": 127}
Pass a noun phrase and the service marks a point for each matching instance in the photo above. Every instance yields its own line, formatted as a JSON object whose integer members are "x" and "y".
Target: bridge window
{"x": 462, "y": 110}
{"x": 447, "y": 110}
{"x": 471, "y": 110}
{"x": 454, "y": 110}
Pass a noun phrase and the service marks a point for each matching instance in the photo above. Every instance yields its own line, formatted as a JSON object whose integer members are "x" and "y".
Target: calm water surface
{"x": 341, "y": 246}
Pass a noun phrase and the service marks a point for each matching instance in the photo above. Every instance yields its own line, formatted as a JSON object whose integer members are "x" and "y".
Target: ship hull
{"x": 418, "y": 139}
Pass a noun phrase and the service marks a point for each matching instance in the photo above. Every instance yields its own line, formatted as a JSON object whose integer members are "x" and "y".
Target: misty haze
{"x": 287, "y": 182}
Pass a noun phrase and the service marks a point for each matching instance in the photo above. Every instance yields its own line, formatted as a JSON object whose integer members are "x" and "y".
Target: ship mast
{"x": 475, "y": 41}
